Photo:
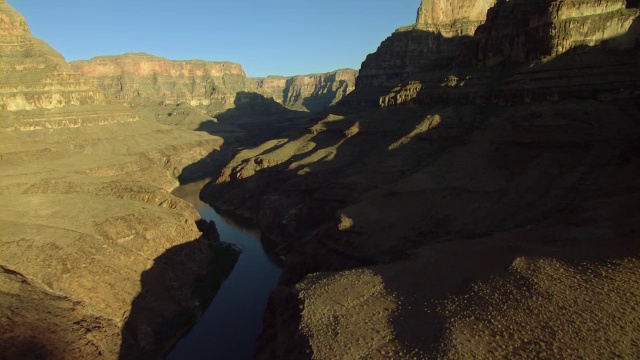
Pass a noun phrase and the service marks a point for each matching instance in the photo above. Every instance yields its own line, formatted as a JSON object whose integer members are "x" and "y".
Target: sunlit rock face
{"x": 313, "y": 92}
{"x": 33, "y": 75}
{"x": 142, "y": 64}
{"x": 143, "y": 79}
{"x": 452, "y": 18}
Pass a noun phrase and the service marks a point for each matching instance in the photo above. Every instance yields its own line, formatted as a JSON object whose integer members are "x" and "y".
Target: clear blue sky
{"x": 283, "y": 37}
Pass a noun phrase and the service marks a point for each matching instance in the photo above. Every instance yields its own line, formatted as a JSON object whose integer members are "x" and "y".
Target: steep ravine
{"x": 229, "y": 327}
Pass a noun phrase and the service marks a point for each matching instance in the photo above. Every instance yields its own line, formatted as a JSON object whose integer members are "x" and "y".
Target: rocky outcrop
{"x": 452, "y": 18}
{"x": 453, "y": 33}
{"x": 441, "y": 26}
{"x": 139, "y": 78}
{"x": 97, "y": 258}
{"x": 518, "y": 31}
{"x": 273, "y": 85}
{"x": 530, "y": 46}
{"x": 33, "y": 75}
{"x": 314, "y": 92}
{"x": 464, "y": 223}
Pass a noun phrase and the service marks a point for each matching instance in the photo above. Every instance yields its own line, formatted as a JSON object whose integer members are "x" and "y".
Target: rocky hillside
{"x": 314, "y": 92}
{"x": 97, "y": 259}
{"x": 477, "y": 207}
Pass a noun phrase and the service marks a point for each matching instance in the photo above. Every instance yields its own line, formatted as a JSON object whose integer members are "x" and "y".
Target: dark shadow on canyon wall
{"x": 400, "y": 59}
{"x": 253, "y": 120}
{"x": 583, "y": 153}
{"x": 175, "y": 292}
{"x": 319, "y": 102}
{"x": 571, "y": 233}
{"x": 341, "y": 166}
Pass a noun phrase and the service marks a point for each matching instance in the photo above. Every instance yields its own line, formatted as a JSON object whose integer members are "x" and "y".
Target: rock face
{"x": 464, "y": 222}
{"x": 140, "y": 78}
{"x": 432, "y": 42}
{"x": 314, "y": 92}
{"x": 97, "y": 258}
{"x": 51, "y": 83}
{"x": 519, "y": 31}
{"x": 452, "y": 18}
{"x": 515, "y": 32}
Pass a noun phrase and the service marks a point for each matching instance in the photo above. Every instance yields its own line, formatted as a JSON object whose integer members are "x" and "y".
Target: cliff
{"x": 452, "y": 18}
{"x": 314, "y": 92}
{"x": 41, "y": 74}
{"x": 147, "y": 80}
{"x": 140, "y": 78}
{"x": 455, "y": 33}
{"x": 97, "y": 258}
{"x": 440, "y": 28}
{"x": 519, "y": 31}
{"x": 476, "y": 207}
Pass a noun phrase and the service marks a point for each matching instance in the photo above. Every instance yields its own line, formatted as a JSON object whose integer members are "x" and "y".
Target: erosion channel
{"x": 230, "y": 325}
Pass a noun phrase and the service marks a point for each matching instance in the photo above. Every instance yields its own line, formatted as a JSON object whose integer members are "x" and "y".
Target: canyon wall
{"x": 97, "y": 258}
{"x": 314, "y": 92}
{"x": 41, "y": 74}
{"x": 479, "y": 203}
{"x": 519, "y": 31}
{"x": 452, "y": 18}
{"x": 139, "y": 78}
{"x": 432, "y": 42}
{"x": 143, "y": 79}
{"x": 515, "y": 32}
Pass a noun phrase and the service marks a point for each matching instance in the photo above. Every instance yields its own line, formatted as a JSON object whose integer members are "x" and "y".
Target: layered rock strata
{"x": 139, "y": 78}
{"x": 432, "y": 42}
{"x": 515, "y": 32}
{"x": 40, "y": 73}
{"x": 314, "y": 92}
{"x": 97, "y": 258}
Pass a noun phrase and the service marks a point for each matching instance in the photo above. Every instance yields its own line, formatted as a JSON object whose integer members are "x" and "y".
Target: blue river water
{"x": 230, "y": 325}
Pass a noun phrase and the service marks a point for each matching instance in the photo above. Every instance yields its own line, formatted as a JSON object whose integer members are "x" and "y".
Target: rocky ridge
{"x": 504, "y": 184}
{"x": 97, "y": 258}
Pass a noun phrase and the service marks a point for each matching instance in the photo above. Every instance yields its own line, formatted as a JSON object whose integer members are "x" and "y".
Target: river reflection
{"x": 230, "y": 325}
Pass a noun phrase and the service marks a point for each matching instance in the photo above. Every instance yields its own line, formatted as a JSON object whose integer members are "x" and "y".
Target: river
{"x": 230, "y": 325}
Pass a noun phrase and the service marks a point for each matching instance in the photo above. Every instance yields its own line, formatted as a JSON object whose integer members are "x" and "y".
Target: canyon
{"x": 474, "y": 196}
{"x": 470, "y": 192}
